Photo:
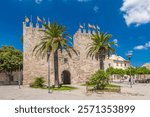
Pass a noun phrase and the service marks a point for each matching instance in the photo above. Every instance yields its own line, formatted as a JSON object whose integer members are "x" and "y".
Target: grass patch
{"x": 112, "y": 86}
{"x": 112, "y": 89}
{"x": 90, "y": 85}
{"x": 63, "y": 88}
{"x": 109, "y": 85}
{"x": 108, "y": 88}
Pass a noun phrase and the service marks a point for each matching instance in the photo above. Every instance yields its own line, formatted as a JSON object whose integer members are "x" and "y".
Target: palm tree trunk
{"x": 48, "y": 73}
{"x": 56, "y": 68}
{"x": 101, "y": 63}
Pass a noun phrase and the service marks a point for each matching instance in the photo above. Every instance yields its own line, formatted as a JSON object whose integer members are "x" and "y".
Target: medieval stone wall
{"x": 34, "y": 66}
{"x": 4, "y": 80}
{"x": 80, "y": 67}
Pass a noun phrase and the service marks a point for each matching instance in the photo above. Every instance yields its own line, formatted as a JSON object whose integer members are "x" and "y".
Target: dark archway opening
{"x": 66, "y": 77}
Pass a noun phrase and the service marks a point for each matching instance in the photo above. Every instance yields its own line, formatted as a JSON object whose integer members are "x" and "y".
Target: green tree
{"x": 131, "y": 71}
{"x": 142, "y": 71}
{"x": 120, "y": 72}
{"x": 10, "y": 59}
{"x": 39, "y": 82}
{"x": 100, "y": 79}
{"x": 148, "y": 71}
{"x": 101, "y": 47}
{"x": 110, "y": 71}
{"x": 55, "y": 39}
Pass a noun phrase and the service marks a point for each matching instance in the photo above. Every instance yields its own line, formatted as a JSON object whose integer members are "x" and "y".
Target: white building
{"x": 116, "y": 62}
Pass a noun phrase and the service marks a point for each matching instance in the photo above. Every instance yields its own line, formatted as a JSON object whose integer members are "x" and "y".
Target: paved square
{"x": 139, "y": 91}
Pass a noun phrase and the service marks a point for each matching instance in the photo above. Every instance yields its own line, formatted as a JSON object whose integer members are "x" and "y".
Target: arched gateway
{"x": 66, "y": 77}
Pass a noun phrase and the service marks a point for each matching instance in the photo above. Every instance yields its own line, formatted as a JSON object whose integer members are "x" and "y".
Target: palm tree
{"x": 100, "y": 47}
{"x": 55, "y": 39}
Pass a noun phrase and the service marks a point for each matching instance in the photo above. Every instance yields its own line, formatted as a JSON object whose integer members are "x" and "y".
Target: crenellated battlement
{"x": 29, "y": 24}
{"x": 85, "y": 32}
{"x": 32, "y": 35}
{"x": 27, "y": 27}
{"x": 31, "y": 27}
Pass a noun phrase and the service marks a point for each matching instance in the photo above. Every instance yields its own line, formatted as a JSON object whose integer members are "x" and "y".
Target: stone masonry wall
{"x": 80, "y": 67}
{"x": 33, "y": 66}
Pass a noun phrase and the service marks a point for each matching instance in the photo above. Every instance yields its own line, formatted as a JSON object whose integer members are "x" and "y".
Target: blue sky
{"x": 127, "y": 20}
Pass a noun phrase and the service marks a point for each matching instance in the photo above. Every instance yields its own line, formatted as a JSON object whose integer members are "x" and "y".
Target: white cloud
{"x": 96, "y": 9}
{"x": 147, "y": 45}
{"x": 130, "y": 53}
{"x": 115, "y": 40}
{"x": 81, "y": 1}
{"x": 84, "y": 0}
{"x": 38, "y": 1}
{"x": 136, "y": 11}
{"x": 141, "y": 47}
{"x": 77, "y": 0}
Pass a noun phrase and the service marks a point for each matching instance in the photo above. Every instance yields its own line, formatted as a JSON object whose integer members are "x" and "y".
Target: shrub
{"x": 39, "y": 82}
{"x": 100, "y": 79}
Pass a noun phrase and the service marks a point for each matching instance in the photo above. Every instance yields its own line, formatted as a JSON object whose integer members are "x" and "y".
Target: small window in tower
{"x": 109, "y": 64}
{"x": 65, "y": 60}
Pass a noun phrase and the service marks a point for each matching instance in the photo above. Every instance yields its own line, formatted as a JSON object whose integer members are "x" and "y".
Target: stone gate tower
{"x": 75, "y": 70}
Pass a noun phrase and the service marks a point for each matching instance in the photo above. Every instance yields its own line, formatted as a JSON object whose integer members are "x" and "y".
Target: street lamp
{"x": 19, "y": 82}
{"x": 48, "y": 56}
{"x": 129, "y": 58}
{"x": 19, "y": 74}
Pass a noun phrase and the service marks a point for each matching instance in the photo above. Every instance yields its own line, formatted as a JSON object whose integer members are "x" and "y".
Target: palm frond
{"x": 100, "y": 46}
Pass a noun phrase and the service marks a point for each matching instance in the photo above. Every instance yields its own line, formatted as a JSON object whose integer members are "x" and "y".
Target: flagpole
{"x": 31, "y": 18}
{"x": 43, "y": 21}
{"x": 84, "y": 25}
{"x": 79, "y": 25}
{"x": 37, "y": 19}
{"x": 48, "y": 22}
{"x": 25, "y": 19}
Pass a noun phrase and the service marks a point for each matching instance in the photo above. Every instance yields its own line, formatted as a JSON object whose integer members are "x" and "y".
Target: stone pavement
{"x": 138, "y": 92}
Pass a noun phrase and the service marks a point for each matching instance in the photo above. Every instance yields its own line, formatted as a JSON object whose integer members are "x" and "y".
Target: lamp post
{"x": 129, "y": 58}
{"x": 48, "y": 56}
{"x": 19, "y": 81}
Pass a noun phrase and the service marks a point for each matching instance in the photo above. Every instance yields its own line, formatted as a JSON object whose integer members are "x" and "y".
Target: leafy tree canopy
{"x": 143, "y": 70}
{"x": 100, "y": 47}
{"x": 100, "y": 78}
{"x": 10, "y": 59}
{"x": 130, "y": 70}
{"x": 55, "y": 38}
